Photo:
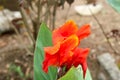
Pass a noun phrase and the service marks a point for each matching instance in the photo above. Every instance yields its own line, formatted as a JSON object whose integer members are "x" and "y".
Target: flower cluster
{"x": 65, "y": 50}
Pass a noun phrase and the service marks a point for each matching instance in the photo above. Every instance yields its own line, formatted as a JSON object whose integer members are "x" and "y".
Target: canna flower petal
{"x": 70, "y": 43}
{"x": 57, "y": 37}
{"x": 66, "y": 48}
{"x": 84, "y": 31}
{"x": 83, "y": 53}
{"x": 66, "y": 30}
{"x": 79, "y": 57}
{"x": 52, "y": 50}
{"x": 50, "y": 60}
{"x": 65, "y": 56}
{"x": 84, "y": 67}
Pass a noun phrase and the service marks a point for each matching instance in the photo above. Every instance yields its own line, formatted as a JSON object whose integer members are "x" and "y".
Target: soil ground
{"x": 11, "y": 52}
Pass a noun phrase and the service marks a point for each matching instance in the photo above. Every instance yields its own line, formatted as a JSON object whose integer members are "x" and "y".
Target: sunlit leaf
{"x": 115, "y": 4}
{"x": 88, "y": 75}
{"x": 44, "y": 39}
{"x": 76, "y": 74}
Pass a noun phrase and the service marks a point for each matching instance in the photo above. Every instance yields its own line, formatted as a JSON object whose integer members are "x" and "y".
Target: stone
{"x": 88, "y": 10}
{"x": 6, "y": 16}
{"x": 108, "y": 62}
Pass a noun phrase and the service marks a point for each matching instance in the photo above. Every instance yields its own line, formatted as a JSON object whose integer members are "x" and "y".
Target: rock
{"x": 108, "y": 62}
{"x": 6, "y": 16}
{"x": 88, "y": 10}
{"x": 101, "y": 76}
{"x": 10, "y": 14}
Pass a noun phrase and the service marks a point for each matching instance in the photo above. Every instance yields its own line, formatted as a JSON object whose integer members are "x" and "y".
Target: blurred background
{"x": 20, "y": 21}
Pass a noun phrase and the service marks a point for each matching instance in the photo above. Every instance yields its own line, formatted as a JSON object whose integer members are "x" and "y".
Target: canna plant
{"x": 57, "y": 54}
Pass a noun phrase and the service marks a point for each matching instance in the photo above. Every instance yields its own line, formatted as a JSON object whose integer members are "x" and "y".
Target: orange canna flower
{"x": 60, "y": 52}
{"x": 64, "y": 51}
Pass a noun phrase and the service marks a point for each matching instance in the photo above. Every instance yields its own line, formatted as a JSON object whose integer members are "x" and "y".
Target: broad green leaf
{"x": 115, "y": 4}
{"x": 44, "y": 39}
{"x": 76, "y": 74}
{"x": 72, "y": 74}
{"x": 88, "y": 75}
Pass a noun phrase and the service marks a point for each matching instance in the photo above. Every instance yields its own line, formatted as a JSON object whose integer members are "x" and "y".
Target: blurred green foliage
{"x": 115, "y": 4}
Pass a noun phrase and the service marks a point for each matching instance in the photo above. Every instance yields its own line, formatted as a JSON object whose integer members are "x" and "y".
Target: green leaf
{"x": 76, "y": 74}
{"x": 72, "y": 74}
{"x": 88, "y": 75}
{"x": 115, "y": 4}
{"x": 17, "y": 69}
{"x": 44, "y": 39}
